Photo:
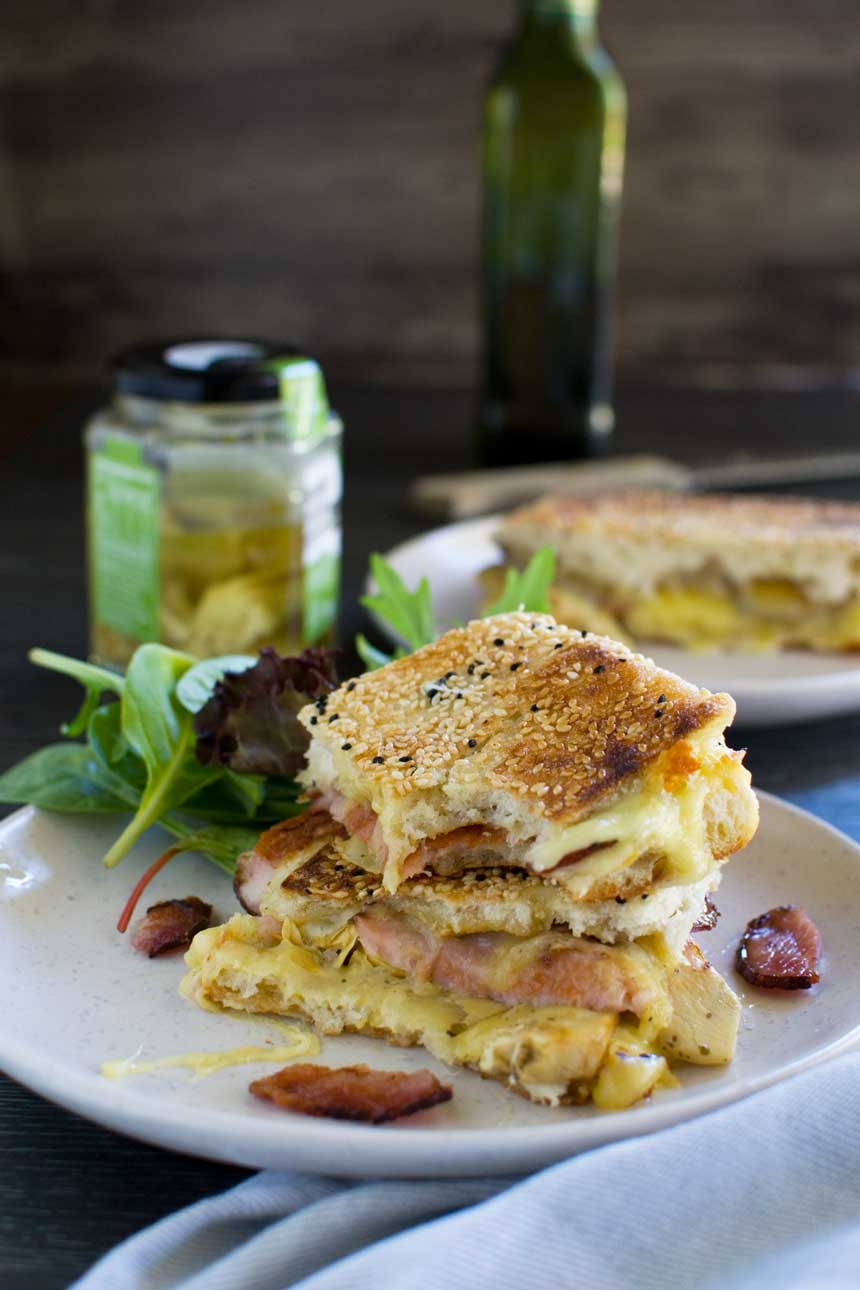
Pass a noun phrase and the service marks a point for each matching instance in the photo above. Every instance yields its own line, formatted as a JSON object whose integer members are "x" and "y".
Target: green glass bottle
{"x": 553, "y": 161}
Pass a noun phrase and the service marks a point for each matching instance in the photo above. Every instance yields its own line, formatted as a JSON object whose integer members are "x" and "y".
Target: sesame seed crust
{"x": 561, "y": 732}
{"x": 615, "y": 550}
{"x": 690, "y": 517}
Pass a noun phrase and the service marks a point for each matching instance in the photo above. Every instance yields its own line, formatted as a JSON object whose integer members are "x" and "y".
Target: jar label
{"x": 124, "y": 510}
{"x": 321, "y": 546}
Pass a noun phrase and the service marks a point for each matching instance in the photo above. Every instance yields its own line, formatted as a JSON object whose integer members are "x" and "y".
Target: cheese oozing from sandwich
{"x": 575, "y": 756}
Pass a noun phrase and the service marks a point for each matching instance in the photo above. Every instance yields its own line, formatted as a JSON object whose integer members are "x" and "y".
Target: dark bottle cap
{"x": 201, "y": 370}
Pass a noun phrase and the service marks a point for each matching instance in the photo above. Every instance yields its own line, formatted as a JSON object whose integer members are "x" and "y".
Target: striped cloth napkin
{"x": 764, "y": 1193}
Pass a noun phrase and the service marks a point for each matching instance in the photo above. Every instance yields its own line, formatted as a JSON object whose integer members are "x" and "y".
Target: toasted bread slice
{"x": 567, "y": 748}
{"x": 554, "y": 1054}
{"x": 324, "y": 894}
{"x": 738, "y": 572}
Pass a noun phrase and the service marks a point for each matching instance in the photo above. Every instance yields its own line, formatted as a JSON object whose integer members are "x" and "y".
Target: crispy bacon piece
{"x": 171, "y": 925}
{"x": 707, "y": 920}
{"x": 780, "y": 950}
{"x": 351, "y": 1092}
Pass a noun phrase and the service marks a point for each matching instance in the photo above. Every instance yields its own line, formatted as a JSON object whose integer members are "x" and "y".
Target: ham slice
{"x": 171, "y": 925}
{"x": 780, "y": 950}
{"x": 553, "y": 968}
{"x": 302, "y": 833}
{"x": 469, "y": 846}
{"x": 351, "y": 1092}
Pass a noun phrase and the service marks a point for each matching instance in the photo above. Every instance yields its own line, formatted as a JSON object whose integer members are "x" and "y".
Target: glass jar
{"x": 213, "y": 502}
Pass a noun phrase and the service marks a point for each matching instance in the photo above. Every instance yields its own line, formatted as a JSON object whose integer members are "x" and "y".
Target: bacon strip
{"x": 780, "y": 950}
{"x": 351, "y": 1092}
{"x": 171, "y": 925}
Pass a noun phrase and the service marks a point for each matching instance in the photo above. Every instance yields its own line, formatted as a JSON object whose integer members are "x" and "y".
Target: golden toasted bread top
{"x": 683, "y": 518}
{"x": 517, "y": 704}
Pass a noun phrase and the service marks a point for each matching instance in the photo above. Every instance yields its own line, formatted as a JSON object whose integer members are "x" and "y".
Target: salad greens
{"x": 209, "y": 749}
{"x": 141, "y": 755}
{"x": 409, "y": 614}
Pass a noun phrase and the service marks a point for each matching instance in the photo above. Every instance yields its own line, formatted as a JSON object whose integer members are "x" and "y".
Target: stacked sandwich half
{"x": 511, "y": 834}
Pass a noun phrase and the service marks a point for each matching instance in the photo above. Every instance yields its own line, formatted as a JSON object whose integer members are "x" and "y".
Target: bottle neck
{"x": 576, "y": 16}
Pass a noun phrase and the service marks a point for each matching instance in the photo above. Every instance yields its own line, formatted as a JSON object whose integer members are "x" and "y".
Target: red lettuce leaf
{"x": 250, "y": 724}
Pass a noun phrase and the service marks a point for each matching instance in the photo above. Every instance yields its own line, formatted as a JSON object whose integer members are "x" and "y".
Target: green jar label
{"x": 124, "y": 506}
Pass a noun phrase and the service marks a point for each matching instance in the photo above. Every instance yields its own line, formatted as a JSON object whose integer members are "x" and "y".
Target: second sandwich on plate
{"x": 511, "y": 834}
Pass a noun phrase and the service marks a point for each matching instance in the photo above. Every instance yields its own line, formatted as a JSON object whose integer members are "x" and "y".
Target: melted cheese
{"x": 665, "y": 816}
{"x": 550, "y": 1053}
{"x": 302, "y": 1044}
{"x": 768, "y": 614}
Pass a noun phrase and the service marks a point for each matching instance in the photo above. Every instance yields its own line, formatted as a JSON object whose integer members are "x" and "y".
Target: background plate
{"x": 769, "y": 689}
{"x": 75, "y": 993}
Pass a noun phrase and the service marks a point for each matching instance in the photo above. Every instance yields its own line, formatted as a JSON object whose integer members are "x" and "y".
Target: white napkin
{"x": 765, "y": 1193}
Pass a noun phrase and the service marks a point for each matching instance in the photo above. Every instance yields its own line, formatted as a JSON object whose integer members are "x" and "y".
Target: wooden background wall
{"x": 308, "y": 169}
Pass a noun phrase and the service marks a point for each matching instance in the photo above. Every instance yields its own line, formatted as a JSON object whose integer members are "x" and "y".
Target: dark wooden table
{"x": 69, "y": 1190}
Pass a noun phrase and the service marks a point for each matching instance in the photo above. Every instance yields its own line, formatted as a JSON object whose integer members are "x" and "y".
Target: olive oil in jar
{"x": 213, "y": 520}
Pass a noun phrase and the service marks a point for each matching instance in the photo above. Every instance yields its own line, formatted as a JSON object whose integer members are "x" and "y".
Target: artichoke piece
{"x": 706, "y": 1013}
{"x": 629, "y": 1073}
{"x": 551, "y": 1053}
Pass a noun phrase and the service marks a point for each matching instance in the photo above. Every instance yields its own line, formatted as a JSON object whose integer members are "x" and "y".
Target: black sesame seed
{"x": 620, "y": 900}
{"x": 535, "y": 708}
{"x": 406, "y": 758}
{"x": 377, "y": 761}
{"x": 658, "y": 712}
{"x": 345, "y": 747}
{"x": 459, "y": 694}
{"x": 448, "y": 676}
{"x": 473, "y": 743}
{"x": 600, "y": 668}
{"x": 583, "y": 631}
{"x": 558, "y": 645}
{"x": 334, "y": 718}
{"x": 479, "y": 662}
{"x": 514, "y": 666}
{"x": 321, "y": 702}
{"x": 484, "y": 676}
{"x": 351, "y": 686}
{"x": 498, "y": 641}
{"x": 662, "y": 699}
{"x": 471, "y": 669}
{"x": 431, "y": 694}
{"x": 313, "y": 721}
{"x": 645, "y": 897}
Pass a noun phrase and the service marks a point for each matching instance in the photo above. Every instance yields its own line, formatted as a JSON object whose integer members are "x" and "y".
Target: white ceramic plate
{"x": 75, "y": 993}
{"x": 769, "y": 689}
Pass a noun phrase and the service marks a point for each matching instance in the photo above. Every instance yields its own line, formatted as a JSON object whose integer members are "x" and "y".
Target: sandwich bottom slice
{"x": 557, "y": 1018}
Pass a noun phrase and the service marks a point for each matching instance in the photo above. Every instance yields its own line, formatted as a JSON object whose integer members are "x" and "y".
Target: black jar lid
{"x": 201, "y": 369}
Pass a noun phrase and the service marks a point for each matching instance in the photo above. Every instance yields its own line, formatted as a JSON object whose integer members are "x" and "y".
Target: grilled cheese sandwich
{"x": 510, "y": 836}
{"x": 570, "y": 752}
{"x": 742, "y": 572}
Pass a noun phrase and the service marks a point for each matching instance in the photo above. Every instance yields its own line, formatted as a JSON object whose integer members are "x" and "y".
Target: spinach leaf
{"x": 62, "y": 777}
{"x": 119, "y": 765}
{"x": 223, "y": 844}
{"x": 94, "y": 679}
{"x": 160, "y": 731}
{"x": 196, "y": 686}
